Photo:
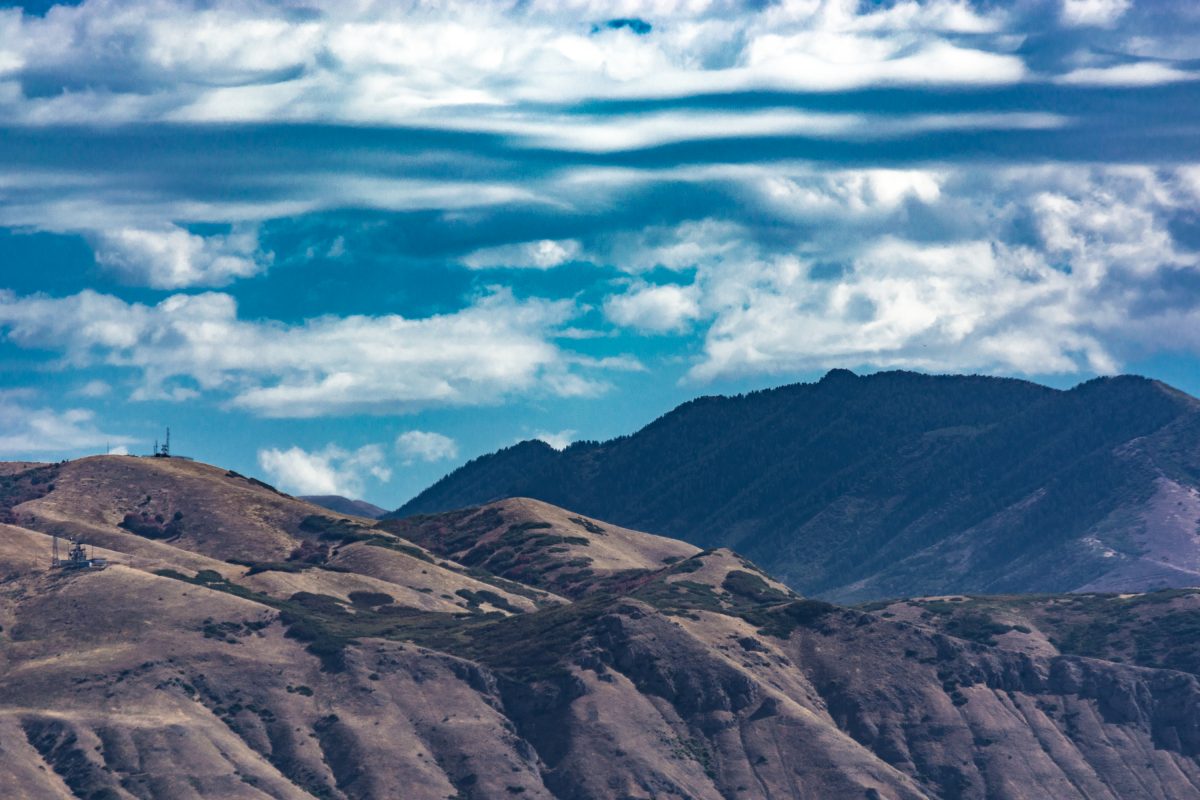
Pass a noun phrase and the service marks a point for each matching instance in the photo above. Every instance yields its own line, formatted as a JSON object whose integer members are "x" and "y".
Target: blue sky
{"x": 348, "y": 246}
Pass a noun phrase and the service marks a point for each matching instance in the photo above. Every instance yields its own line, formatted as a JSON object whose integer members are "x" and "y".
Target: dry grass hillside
{"x": 541, "y": 545}
{"x": 267, "y": 649}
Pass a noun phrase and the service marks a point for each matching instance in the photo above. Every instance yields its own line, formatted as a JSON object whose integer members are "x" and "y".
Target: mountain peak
{"x": 837, "y": 375}
{"x": 909, "y": 483}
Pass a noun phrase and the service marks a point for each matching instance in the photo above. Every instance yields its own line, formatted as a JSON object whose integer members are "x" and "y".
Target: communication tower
{"x": 77, "y": 556}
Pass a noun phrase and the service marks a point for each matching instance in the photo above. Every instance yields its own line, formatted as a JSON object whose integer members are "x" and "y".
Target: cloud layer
{"x": 539, "y": 194}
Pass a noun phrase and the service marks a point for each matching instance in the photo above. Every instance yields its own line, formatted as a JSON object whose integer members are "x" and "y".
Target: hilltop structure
{"x": 77, "y": 557}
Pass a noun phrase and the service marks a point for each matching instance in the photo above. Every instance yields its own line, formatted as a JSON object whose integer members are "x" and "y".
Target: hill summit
{"x": 896, "y": 484}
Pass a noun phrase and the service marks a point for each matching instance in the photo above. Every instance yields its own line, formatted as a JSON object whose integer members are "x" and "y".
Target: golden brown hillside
{"x": 264, "y": 648}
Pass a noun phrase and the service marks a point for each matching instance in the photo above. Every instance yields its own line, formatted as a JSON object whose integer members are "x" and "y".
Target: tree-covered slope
{"x": 893, "y": 484}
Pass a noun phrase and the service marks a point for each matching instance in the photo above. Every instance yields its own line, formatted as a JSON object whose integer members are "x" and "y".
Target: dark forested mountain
{"x": 345, "y": 505}
{"x": 243, "y": 644}
{"x": 896, "y": 484}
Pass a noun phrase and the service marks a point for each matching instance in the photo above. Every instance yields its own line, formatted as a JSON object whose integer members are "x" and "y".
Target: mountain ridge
{"x": 880, "y": 478}
{"x": 345, "y": 505}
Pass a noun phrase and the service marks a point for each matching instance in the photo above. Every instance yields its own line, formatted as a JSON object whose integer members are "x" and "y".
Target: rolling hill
{"x": 896, "y": 484}
{"x": 246, "y": 644}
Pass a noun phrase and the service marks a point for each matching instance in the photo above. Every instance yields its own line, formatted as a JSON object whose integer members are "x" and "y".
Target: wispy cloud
{"x": 425, "y": 446}
{"x": 29, "y": 429}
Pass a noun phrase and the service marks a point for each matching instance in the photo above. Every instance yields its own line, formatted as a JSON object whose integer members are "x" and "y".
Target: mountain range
{"x": 242, "y": 643}
{"x": 895, "y": 484}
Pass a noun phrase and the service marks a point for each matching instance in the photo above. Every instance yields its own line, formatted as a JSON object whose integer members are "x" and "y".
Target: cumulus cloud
{"x": 495, "y": 347}
{"x": 659, "y": 309}
{"x": 172, "y": 258}
{"x": 33, "y": 430}
{"x": 330, "y": 470}
{"x": 425, "y": 446}
{"x": 1065, "y": 277}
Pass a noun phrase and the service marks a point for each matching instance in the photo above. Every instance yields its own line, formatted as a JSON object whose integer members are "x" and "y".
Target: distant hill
{"x": 345, "y": 505}
{"x": 246, "y": 644}
{"x": 896, "y": 484}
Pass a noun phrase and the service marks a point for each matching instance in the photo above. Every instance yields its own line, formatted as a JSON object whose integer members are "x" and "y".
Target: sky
{"x": 348, "y": 246}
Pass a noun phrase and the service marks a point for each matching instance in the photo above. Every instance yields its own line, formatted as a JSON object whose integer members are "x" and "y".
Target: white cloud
{"x": 27, "y": 430}
{"x": 425, "y": 446}
{"x": 542, "y": 254}
{"x": 1101, "y": 13}
{"x": 373, "y": 62}
{"x": 508, "y": 70}
{"x": 659, "y": 309}
{"x": 838, "y": 192}
{"x": 331, "y": 470}
{"x": 1143, "y": 73}
{"x": 229, "y": 46}
{"x": 1089, "y": 288}
{"x": 558, "y": 441}
{"x": 328, "y": 365}
{"x": 674, "y": 247}
{"x": 904, "y": 305}
{"x": 170, "y": 257}
{"x": 1095, "y": 232}
{"x": 94, "y": 388}
{"x": 603, "y": 134}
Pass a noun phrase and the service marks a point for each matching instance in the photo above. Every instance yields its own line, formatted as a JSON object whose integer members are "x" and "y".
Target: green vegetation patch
{"x": 752, "y": 587}
{"x": 399, "y": 546}
{"x": 371, "y": 599}
{"x": 230, "y": 631}
{"x": 780, "y": 621}
{"x": 749, "y": 597}
{"x": 335, "y": 529}
{"x": 254, "y": 482}
{"x": 22, "y": 487}
{"x": 476, "y": 599}
{"x": 1157, "y": 629}
{"x": 327, "y": 625}
{"x": 588, "y": 525}
{"x": 153, "y": 526}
